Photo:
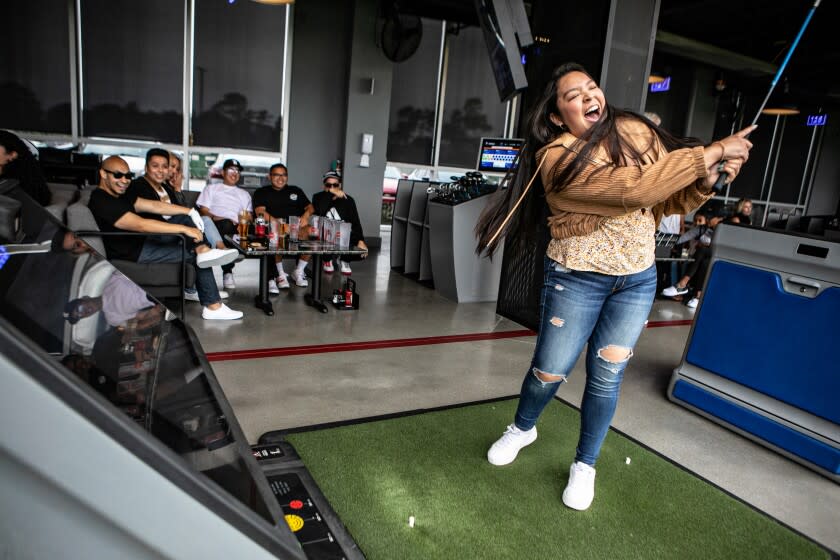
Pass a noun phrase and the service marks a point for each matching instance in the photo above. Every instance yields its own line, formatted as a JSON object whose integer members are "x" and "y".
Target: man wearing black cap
{"x": 222, "y": 202}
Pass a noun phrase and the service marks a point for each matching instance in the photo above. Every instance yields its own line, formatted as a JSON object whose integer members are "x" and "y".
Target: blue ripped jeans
{"x": 576, "y": 308}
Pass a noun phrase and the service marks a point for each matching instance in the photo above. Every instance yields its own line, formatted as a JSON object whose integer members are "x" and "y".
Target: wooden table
{"x": 294, "y": 248}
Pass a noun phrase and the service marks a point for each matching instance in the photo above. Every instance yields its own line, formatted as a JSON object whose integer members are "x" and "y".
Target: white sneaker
{"x": 580, "y": 490}
{"x": 283, "y": 282}
{"x": 692, "y": 303}
{"x": 328, "y": 267}
{"x": 345, "y": 268}
{"x": 272, "y": 287}
{"x": 507, "y": 447}
{"x": 216, "y": 257}
{"x": 299, "y": 276}
{"x": 227, "y": 281}
{"x": 193, "y": 295}
{"x": 223, "y": 313}
{"x": 672, "y": 291}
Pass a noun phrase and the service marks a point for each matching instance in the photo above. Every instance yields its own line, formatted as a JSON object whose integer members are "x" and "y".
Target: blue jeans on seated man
{"x": 577, "y": 307}
{"x": 167, "y": 249}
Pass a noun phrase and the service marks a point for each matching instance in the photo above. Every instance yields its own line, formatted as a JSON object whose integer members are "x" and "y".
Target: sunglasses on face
{"x": 120, "y": 174}
{"x": 331, "y": 185}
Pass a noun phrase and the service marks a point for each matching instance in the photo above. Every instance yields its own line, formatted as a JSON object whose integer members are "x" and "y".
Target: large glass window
{"x": 238, "y": 75}
{"x": 35, "y": 67}
{"x": 132, "y": 60}
{"x": 413, "y": 93}
{"x": 471, "y": 108}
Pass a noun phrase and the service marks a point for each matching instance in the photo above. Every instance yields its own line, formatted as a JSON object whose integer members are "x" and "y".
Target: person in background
{"x": 673, "y": 224}
{"x": 333, "y": 202}
{"x": 18, "y": 162}
{"x": 154, "y": 185}
{"x": 607, "y": 175}
{"x": 743, "y": 211}
{"x": 280, "y": 200}
{"x": 701, "y": 236}
{"x": 222, "y": 203}
{"x": 175, "y": 182}
{"x": 116, "y": 210}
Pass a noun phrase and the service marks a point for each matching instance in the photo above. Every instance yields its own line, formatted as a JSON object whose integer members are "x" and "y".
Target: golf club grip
{"x": 720, "y": 183}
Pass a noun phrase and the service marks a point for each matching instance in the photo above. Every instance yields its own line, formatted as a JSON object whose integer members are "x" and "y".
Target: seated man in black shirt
{"x": 281, "y": 200}
{"x": 336, "y": 204}
{"x": 116, "y": 210}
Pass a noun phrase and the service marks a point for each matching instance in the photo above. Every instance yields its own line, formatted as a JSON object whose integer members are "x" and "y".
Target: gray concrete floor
{"x": 285, "y": 392}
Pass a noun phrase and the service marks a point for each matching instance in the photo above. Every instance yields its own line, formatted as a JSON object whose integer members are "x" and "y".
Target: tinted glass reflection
{"x": 132, "y": 60}
{"x": 35, "y": 67}
{"x": 114, "y": 338}
{"x": 238, "y": 74}
{"x": 472, "y": 107}
{"x": 413, "y": 95}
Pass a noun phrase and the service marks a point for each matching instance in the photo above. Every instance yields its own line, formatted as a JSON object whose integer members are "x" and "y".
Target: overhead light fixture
{"x": 781, "y": 104}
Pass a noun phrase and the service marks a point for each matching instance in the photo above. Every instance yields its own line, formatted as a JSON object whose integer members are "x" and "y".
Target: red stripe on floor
{"x": 393, "y": 343}
{"x": 677, "y": 323}
{"x": 370, "y": 345}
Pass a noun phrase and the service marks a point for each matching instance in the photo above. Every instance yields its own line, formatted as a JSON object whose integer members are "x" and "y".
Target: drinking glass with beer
{"x": 244, "y": 220}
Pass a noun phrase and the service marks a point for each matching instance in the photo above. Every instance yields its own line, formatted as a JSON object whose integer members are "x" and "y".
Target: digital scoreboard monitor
{"x": 498, "y": 155}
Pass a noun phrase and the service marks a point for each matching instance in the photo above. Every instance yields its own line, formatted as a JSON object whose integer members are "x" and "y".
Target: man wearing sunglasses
{"x": 116, "y": 210}
{"x": 336, "y": 204}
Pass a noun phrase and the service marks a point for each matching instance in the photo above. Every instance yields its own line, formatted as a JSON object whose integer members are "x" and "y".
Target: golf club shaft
{"x": 719, "y": 184}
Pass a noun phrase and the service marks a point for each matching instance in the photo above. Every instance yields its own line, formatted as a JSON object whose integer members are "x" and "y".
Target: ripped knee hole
{"x": 615, "y": 354}
{"x": 548, "y": 377}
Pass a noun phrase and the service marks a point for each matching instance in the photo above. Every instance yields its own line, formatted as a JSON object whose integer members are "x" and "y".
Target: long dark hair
{"x": 541, "y": 130}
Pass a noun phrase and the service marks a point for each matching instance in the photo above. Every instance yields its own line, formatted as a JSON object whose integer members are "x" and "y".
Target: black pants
{"x": 696, "y": 270}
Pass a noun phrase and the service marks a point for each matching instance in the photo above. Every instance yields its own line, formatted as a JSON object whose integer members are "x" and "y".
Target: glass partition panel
{"x": 113, "y": 339}
{"x": 132, "y": 61}
{"x": 413, "y": 95}
{"x": 472, "y": 108}
{"x": 35, "y": 69}
{"x": 238, "y": 75}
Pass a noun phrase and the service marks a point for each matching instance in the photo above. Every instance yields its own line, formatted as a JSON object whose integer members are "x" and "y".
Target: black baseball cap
{"x": 232, "y": 163}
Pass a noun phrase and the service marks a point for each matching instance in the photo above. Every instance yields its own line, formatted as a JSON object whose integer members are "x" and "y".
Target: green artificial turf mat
{"x": 433, "y": 466}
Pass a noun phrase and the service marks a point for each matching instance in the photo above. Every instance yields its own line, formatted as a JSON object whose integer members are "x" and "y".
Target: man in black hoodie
{"x": 336, "y": 204}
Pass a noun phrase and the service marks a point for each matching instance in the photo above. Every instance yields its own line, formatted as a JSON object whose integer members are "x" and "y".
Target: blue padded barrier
{"x": 750, "y": 331}
{"x": 770, "y": 431}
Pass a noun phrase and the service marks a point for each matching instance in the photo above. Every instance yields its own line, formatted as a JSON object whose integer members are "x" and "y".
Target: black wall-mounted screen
{"x": 501, "y": 21}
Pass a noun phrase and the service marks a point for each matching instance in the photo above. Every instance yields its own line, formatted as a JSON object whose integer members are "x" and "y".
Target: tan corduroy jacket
{"x": 667, "y": 182}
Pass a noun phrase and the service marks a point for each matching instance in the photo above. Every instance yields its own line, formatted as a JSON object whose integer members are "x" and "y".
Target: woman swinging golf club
{"x": 608, "y": 177}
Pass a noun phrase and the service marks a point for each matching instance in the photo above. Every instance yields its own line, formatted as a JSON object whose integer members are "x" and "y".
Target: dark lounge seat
{"x": 165, "y": 281}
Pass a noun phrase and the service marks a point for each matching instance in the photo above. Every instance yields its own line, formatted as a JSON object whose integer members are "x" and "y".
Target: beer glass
{"x": 244, "y": 219}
